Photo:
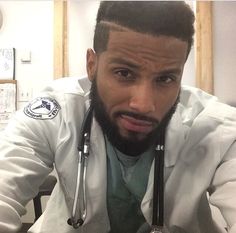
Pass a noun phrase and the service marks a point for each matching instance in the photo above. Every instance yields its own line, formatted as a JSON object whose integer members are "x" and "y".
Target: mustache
{"x": 137, "y": 116}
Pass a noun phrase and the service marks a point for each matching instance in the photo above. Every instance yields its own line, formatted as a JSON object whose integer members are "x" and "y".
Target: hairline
{"x": 113, "y": 26}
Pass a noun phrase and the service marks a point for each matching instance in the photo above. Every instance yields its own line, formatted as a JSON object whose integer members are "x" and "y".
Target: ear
{"x": 91, "y": 63}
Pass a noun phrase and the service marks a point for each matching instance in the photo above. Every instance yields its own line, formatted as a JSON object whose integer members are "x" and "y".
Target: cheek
{"x": 166, "y": 102}
{"x": 111, "y": 95}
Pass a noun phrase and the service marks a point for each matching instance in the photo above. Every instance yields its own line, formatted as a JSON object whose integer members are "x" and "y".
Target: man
{"x": 137, "y": 103}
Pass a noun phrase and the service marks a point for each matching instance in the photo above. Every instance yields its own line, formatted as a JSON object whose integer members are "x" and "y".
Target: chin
{"x": 133, "y": 136}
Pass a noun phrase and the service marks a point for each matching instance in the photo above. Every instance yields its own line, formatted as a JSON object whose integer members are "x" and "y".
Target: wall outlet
{"x": 25, "y": 95}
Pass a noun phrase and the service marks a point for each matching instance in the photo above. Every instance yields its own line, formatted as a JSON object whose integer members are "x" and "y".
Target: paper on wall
{"x": 7, "y": 101}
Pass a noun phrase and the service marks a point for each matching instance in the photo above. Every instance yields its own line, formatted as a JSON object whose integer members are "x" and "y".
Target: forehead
{"x": 144, "y": 46}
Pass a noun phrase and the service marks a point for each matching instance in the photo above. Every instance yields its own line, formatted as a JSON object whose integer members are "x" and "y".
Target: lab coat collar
{"x": 176, "y": 134}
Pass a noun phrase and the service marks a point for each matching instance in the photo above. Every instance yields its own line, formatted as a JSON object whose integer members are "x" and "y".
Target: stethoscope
{"x": 80, "y": 191}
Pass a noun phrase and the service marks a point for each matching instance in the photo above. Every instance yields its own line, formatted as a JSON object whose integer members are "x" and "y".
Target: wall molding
{"x": 203, "y": 47}
{"x": 60, "y": 39}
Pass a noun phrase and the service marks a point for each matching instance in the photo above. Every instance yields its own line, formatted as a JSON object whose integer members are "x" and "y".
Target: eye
{"x": 166, "y": 79}
{"x": 124, "y": 74}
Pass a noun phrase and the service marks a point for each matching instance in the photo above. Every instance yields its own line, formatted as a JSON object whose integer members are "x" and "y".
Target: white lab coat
{"x": 200, "y": 156}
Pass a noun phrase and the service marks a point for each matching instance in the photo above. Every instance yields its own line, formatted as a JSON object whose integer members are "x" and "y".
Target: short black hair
{"x": 168, "y": 18}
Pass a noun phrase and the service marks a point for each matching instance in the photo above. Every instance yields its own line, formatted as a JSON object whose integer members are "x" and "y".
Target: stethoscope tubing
{"x": 80, "y": 165}
{"x": 83, "y": 150}
{"x": 158, "y": 189}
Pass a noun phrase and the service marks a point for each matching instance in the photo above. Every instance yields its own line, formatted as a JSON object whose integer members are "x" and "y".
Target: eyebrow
{"x": 171, "y": 70}
{"x": 134, "y": 65}
{"x": 123, "y": 61}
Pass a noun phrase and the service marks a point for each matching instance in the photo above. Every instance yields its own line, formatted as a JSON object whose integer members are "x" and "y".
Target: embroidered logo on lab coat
{"x": 42, "y": 108}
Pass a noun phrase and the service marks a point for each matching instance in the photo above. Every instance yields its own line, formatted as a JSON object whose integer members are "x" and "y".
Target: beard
{"x": 128, "y": 145}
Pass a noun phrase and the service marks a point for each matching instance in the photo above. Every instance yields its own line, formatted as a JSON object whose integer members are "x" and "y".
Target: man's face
{"x": 137, "y": 82}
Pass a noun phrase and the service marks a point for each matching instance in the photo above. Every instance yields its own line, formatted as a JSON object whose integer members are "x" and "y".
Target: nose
{"x": 142, "y": 98}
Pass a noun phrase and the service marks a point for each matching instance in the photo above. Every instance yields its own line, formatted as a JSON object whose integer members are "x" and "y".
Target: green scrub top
{"x": 127, "y": 178}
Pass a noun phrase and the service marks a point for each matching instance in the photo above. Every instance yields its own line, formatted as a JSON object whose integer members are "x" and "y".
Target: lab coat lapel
{"x": 175, "y": 138}
{"x": 176, "y": 134}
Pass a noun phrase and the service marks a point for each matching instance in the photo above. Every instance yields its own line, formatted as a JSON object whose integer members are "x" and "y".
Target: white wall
{"x": 224, "y": 50}
{"x": 28, "y": 26}
{"x": 189, "y": 70}
{"x": 81, "y": 18}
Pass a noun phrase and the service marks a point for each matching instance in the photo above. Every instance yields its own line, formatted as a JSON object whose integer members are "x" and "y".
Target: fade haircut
{"x": 167, "y": 18}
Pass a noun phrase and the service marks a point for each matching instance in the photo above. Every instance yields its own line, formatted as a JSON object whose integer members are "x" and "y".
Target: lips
{"x": 136, "y": 125}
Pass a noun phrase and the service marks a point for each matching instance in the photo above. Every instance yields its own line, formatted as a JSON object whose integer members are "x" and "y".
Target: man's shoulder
{"x": 61, "y": 97}
{"x": 195, "y": 102}
{"x": 191, "y": 95}
{"x": 69, "y": 85}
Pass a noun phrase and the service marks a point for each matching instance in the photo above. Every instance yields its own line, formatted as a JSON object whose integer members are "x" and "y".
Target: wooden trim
{"x": 4, "y": 81}
{"x": 204, "y": 54}
{"x": 60, "y": 39}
